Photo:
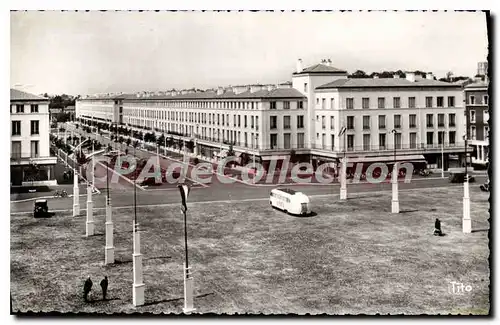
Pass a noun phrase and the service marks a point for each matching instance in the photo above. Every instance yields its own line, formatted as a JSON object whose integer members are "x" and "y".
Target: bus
{"x": 290, "y": 201}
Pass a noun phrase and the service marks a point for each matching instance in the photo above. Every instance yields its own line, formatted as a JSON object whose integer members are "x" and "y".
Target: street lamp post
{"x": 395, "y": 194}
{"x": 109, "y": 250}
{"x": 343, "y": 166}
{"x": 442, "y": 154}
{"x": 466, "y": 221}
{"x": 188, "y": 276}
{"x": 138, "y": 287}
{"x": 90, "y": 205}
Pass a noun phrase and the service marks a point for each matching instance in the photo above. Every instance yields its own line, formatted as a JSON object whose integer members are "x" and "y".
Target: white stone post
{"x": 395, "y": 194}
{"x": 466, "y": 222}
{"x": 138, "y": 286}
{"x": 109, "y": 257}
{"x": 76, "y": 195}
{"x": 188, "y": 291}
{"x": 343, "y": 178}
{"x": 90, "y": 217}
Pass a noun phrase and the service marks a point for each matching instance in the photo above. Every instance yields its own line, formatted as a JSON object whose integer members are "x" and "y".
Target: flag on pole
{"x": 342, "y": 131}
{"x": 184, "y": 189}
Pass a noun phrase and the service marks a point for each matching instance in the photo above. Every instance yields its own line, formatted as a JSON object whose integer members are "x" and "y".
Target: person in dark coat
{"x": 86, "y": 288}
{"x": 104, "y": 286}
{"x": 437, "y": 228}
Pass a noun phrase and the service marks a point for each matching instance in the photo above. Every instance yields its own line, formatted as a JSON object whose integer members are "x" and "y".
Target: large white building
{"x": 30, "y": 144}
{"x": 305, "y": 115}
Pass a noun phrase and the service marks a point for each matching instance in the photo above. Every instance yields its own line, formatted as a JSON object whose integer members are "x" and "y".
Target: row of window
{"x": 412, "y": 121}
{"x": 16, "y": 149}
{"x": 472, "y": 100}
{"x": 273, "y": 122}
{"x": 19, "y": 108}
{"x": 396, "y": 102}
{"x": 35, "y": 127}
{"x": 486, "y": 116}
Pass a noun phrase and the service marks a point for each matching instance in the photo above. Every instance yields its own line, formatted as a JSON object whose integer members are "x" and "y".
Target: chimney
{"x": 299, "y": 66}
{"x": 410, "y": 76}
{"x": 429, "y": 75}
{"x": 220, "y": 91}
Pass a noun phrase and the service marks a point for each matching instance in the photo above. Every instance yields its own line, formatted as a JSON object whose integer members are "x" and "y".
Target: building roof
{"x": 261, "y": 94}
{"x": 480, "y": 84}
{"x": 385, "y": 82}
{"x": 21, "y": 95}
{"x": 320, "y": 69}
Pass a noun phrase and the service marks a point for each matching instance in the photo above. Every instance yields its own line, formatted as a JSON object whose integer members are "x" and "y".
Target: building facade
{"x": 477, "y": 119}
{"x": 305, "y": 115}
{"x": 31, "y": 162}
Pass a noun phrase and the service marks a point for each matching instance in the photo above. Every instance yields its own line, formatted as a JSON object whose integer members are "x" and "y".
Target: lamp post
{"x": 395, "y": 198}
{"x": 138, "y": 285}
{"x": 442, "y": 154}
{"x": 188, "y": 276}
{"x": 109, "y": 250}
{"x": 343, "y": 166}
{"x": 89, "y": 229}
{"x": 466, "y": 221}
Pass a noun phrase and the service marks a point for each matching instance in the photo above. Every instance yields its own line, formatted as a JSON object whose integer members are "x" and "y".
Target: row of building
{"x": 322, "y": 115}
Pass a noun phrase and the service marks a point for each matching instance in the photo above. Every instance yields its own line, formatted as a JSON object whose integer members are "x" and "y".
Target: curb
{"x": 50, "y": 197}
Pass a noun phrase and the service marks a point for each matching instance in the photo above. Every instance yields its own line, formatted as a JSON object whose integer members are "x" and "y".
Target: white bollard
{"x": 138, "y": 286}
{"x": 343, "y": 179}
{"x": 90, "y": 213}
{"x": 395, "y": 194}
{"x": 466, "y": 221}
{"x": 109, "y": 257}
{"x": 76, "y": 196}
{"x": 188, "y": 291}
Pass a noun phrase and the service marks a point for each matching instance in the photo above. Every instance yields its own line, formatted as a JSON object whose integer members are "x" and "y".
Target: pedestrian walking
{"x": 104, "y": 286}
{"x": 87, "y": 287}
{"x": 437, "y": 228}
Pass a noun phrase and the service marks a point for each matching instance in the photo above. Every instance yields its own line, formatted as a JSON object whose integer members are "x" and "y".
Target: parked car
{"x": 486, "y": 186}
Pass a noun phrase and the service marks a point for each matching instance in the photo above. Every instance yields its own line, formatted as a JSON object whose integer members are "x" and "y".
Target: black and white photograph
{"x": 229, "y": 162}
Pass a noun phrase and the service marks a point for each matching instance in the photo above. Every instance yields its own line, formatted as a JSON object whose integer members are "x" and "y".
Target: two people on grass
{"x": 87, "y": 287}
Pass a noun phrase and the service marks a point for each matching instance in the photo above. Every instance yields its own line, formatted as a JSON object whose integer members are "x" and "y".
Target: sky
{"x": 81, "y": 53}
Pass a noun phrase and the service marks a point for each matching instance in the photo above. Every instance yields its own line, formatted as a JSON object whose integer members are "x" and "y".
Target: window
{"x": 350, "y": 122}
{"x": 34, "y": 149}
{"x": 473, "y": 132}
{"x": 272, "y": 105}
{"x": 381, "y": 141}
{"x": 244, "y": 121}
{"x": 473, "y": 116}
{"x": 398, "y": 137}
{"x": 440, "y": 120}
{"x": 19, "y": 108}
{"x": 397, "y": 102}
{"x": 397, "y": 121}
{"x": 349, "y": 103}
{"x": 323, "y": 141}
{"x": 366, "y": 122}
{"x": 223, "y": 120}
{"x": 486, "y": 116}
{"x": 413, "y": 140}
{"x": 472, "y": 100}
{"x": 366, "y": 142}
{"x": 16, "y": 149}
{"x": 350, "y": 142}
{"x": 486, "y": 133}
{"x": 381, "y": 121}
{"x": 381, "y": 102}
{"x": 333, "y": 141}
{"x": 300, "y": 104}
{"x": 34, "y": 108}
{"x": 413, "y": 120}
{"x": 227, "y": 119}
{"x": 252, "y": 120}
{"x": 440, "y": 101}
{"x": 485, "y": 100}
{"x": 411, "y": 102}
{"x": 300, "y": 140}
{"x": 305, "y": 87}
{"x": 16, "y": 127}
{"x": 428, "y": 101}
{"x": 441, "y": 137}
{"x": 286, "y": 140}
{"x": 323, "y": 103}
{"x": 273, "y": 122}
{"x": 286, "y": 105}
{"x": 218, "y": 119}
{"x": 365, "y": 103}
{"x": 274, "y": 141}
{"x": 323, "y": 122}
{"x": 234, "y": 119}
{"x": 300, "y": 121}
{"x": 239, "y": 120}
{"x": 451, "y": 119}
{"x": 430, "y": 138}
{"x": 430, "y": 120}
{"x": 451, "y": 101}
{"x": 35, "y": 127}
{"x": 332, "y": 103}
{"x": 286, "y": 122}
{"x": 451, "y": 137}
{"x": 332, "y": 122}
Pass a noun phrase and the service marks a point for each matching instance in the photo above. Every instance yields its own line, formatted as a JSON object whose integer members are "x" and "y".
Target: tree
{"x": 128, "y": 141}
{"x": 293, "y": 156}
{"x": 190, "y": 145}
{"x": 358, "y": 74}
{"x": 161, "y": 140}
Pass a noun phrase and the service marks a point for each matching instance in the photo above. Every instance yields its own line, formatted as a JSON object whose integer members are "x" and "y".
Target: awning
{"x": 387, "y": 159}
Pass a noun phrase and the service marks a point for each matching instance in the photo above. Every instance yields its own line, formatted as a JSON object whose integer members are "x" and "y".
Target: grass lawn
{"x": 352, "y": 257}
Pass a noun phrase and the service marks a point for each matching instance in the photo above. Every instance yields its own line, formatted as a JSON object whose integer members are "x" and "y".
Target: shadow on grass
{"x": 312, "y": 214}
{"x": 101, "y": 300}
{"x": 480, "y": 230}
{"x": 125, "y": 261}
{"x": 409, "y": 211}
{"x": 174, "y": 299}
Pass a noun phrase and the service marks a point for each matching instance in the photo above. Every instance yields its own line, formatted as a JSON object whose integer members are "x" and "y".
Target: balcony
{"x": 26, "y": 158}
